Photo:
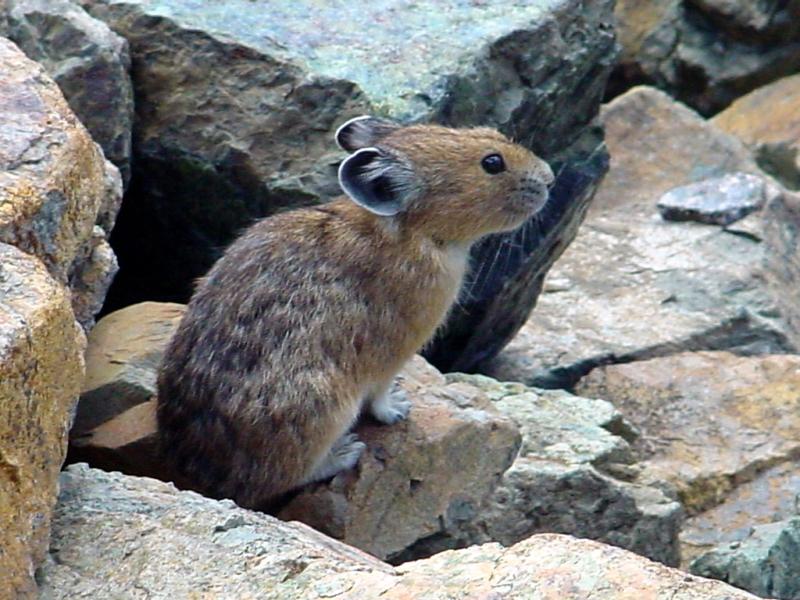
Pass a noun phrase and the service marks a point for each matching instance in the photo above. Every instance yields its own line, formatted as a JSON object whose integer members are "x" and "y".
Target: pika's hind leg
{"x": 343, "y": 455}
{"x": 390, "y": 404}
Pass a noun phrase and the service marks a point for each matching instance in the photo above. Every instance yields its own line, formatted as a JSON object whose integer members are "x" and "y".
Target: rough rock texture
{"x": 130, "y": 538}
{"x": 418, "y": 480}
{"x": 573, "y": 475}
{"x": 716, "y": 201}
{"x": 236, "y": 114}
{"x": 768, "y": 121}
{"x": 634, "y": 286}
{"x": 706, "y": 52}
{"x": 58, "y": 196}
{"x": 89, "y": 63}
{"x": 41, "y": 367}
{"x": 724, "y": 429}
{"x": 767, "y": 563}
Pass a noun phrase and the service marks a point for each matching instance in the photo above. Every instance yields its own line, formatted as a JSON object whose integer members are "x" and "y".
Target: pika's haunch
{"x": 310, "y": 314}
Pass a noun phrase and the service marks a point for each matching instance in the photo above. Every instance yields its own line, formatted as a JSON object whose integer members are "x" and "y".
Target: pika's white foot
{"x": 343, "y": 455}
{"x": 391, "y": 407}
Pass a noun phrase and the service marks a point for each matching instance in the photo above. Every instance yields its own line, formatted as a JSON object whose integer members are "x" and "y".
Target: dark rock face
{"x": 236, "y": 114}
{"x": 706, "y": 53}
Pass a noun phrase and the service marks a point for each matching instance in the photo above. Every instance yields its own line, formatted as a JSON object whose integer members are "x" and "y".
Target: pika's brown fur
{"x": 310, "y": 314}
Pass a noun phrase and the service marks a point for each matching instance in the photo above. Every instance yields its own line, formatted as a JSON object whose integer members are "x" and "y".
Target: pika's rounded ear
{"x": 362, "y": 132}
{"x": 380, "y": 182}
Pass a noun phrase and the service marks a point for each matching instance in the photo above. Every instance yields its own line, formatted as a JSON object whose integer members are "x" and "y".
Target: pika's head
{"x": 451, "y": 184}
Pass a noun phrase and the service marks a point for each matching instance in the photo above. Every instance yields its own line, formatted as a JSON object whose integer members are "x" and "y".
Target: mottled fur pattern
{"x": 311, "y": 313}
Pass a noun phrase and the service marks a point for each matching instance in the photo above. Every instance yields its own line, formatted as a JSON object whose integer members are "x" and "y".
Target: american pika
{"x": 309, "y": 315}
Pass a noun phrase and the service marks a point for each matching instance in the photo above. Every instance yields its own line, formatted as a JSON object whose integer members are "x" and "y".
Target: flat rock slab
{"x": 724, "y": 429}
{"x": 88, "y": 61}
{"x": 768, "y": 121}
{"x": 634, "y": 286}
{"x": 766, "y": 562}
{"x": 58, "y": 195}
{"x": 717, "y": 201}
{"x": 127, "y": 537}
{"x": 41, "y": 367}
{"x": 238, "y": 102}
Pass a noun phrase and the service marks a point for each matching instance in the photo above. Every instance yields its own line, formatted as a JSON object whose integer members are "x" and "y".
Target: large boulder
{"x": 128, "y": 537}
{"x": 706, "y": 52}
{"x": 634, "y": 286}
{"x": 89, "y": 63}
{"x": 723, "y": 429}
{"x": 768, "y": 121}
{"x": 41, "y": 367}
{"x": 236, "y": 115}
{"x": 58, "y": 195}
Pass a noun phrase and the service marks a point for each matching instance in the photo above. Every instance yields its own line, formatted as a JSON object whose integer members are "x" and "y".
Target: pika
{"x": 305, "y": 320}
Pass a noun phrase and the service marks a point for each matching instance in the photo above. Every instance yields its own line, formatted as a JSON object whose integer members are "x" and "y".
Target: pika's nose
{"x": 547, "y": 175}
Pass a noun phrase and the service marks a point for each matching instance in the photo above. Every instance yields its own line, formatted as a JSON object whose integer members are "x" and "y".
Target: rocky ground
{"x": 642, "y": 424}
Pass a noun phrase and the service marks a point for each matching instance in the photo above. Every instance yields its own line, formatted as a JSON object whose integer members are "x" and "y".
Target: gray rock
{"x": 89, "y": 63}
{"x": 767, "y": 563}
{"x": 124, "y": 537}
{"x": 717, "y": 201}
{"x": 236, "y": 115}
{"x": 706, "y": 52}
{"x": 575, "y": 474}
{"x": 633, "y": 286}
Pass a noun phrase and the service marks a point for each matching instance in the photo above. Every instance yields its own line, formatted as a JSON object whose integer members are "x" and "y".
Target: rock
{"x": 717, "y": 201}
{"x": 122, "y": 360}
{"x": 768, "y": 121}
{"x": 131, "y": 537}
{"x": 236, "y": 115}
{"x": 41, "y": 367}
{"x": 89, "y": 63}
{"x": 706, "y": 53}
{"x": 712, "y": 423}
{"x": 55, "y": 185}
{"x": 632, "y": 286}
{"x": 419, "y": 480}
{"x": 766, "y": 563}
{"x": 771, "y": 495}
{"x": 574, "y": 474}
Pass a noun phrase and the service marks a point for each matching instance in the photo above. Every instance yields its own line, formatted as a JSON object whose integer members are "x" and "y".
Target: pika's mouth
{"x": 530, "y": 197}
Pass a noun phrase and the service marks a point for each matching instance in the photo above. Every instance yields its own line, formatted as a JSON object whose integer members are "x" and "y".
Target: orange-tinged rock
{"x": 41, "y": 367}
{"x": 768, "y": 121}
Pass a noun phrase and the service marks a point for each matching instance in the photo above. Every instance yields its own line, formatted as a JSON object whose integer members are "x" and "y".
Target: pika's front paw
{"x": 346, "y": 451}
{"x": 392, "y": 407}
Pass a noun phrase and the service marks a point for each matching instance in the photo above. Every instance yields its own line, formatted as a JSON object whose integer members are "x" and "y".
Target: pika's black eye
{"x": 493, "y": 164}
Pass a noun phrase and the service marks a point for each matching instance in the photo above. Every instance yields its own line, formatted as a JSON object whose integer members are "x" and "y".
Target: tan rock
{"x": 125, "y": 537}
{"x": 124, "y": 351}
{"x": 633, "y": 286}
{"x": 41, "y": 367}
{"x": 768, "y": 121}
{"x": 55, "y": 185}
{"x": 724, "y": 429}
